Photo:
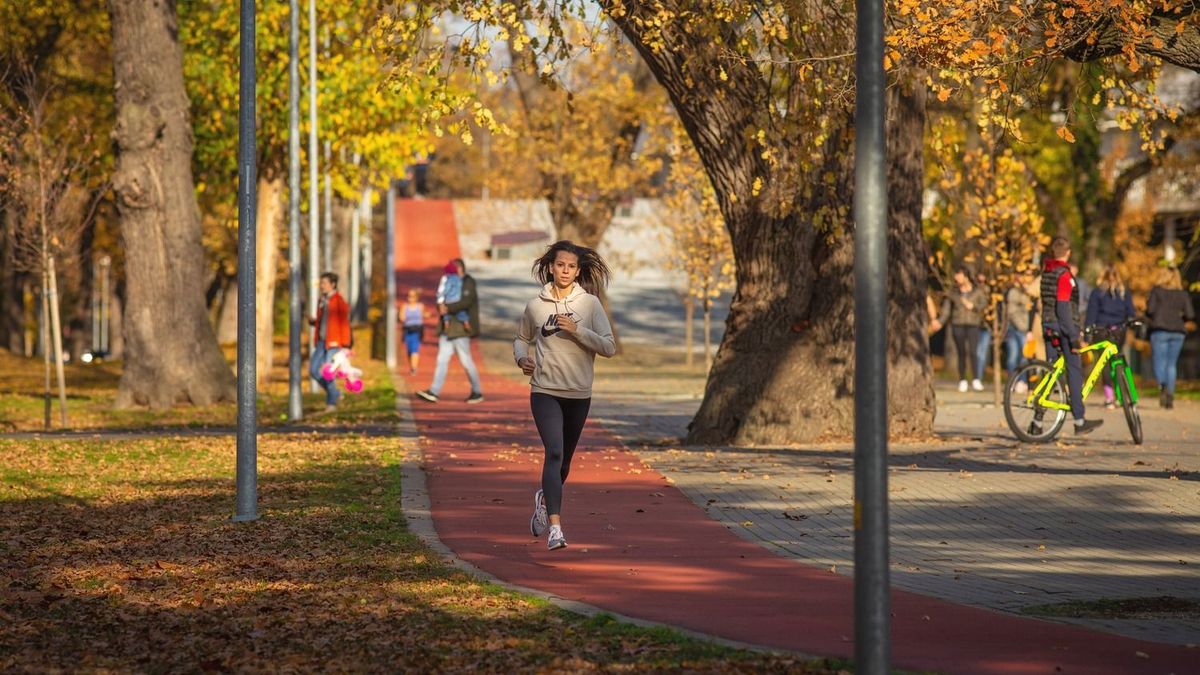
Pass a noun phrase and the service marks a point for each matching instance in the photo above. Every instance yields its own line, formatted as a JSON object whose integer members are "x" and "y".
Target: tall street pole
{"x": 247, "y": 421}
{"x": 327, "y": 239}
{"x": 872, "y": 647}
{"x": 295, "y": 286}
{"x": 314, "y": 245}
{"x": 389, "y": 257}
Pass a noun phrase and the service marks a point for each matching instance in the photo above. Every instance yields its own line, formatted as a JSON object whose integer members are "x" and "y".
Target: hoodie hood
{"x": 574, "y": 294}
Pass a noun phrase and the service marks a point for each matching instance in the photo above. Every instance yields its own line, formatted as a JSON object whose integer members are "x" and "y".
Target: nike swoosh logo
{"x": 548, "y": 333}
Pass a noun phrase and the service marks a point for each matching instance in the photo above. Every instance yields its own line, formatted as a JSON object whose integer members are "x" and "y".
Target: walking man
{"x": 1060, "y": 321}
{"x": 331, "y": 332}
{"x": 454, "y": 338}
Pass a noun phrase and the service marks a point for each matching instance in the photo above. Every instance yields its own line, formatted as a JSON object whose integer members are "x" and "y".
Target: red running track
{"x": 641, "y": 548}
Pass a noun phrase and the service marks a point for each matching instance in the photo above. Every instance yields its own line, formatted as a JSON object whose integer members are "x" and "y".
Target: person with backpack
{"x": 1060, "y": 309}
{"x": 558, "y": 337}
{"x": 331, "y": 333}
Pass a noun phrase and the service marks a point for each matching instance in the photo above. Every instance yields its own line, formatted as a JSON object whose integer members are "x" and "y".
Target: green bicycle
{"x": 1035, "y": 399}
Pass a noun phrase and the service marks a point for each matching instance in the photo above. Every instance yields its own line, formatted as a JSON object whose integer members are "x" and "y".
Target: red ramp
{"x": 426, "y": 239}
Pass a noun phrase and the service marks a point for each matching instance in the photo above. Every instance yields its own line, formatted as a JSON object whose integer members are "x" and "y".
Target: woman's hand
{"x": 526, "y": 364}
{"x": 568, "y": 324}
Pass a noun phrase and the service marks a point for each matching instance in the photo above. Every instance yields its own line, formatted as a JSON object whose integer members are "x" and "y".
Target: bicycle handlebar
{"x": 1110, "y": 332}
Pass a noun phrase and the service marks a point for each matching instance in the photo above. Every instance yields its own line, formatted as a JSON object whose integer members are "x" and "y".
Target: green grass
{"x": 1122, "y": 608}
{"x": 91, "y": 389}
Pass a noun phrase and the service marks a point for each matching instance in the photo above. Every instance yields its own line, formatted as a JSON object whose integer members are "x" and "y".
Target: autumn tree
{"x": 581, "y": 131}
{"x": 372, "y": 133}
{"x": 697, "y": 241}
{"x": 986, "y": 214}
{"x": 765, "y": 94}
{"x": 50, "y": 191}
{"x": 174, "y": 353}
{"x": 64, "y": 47}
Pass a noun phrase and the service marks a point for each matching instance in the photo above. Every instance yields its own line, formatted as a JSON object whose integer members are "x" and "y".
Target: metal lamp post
{"x": 247, "y": 404}
{"x": 871, "y": 586}
{"x": 295, "y": 287}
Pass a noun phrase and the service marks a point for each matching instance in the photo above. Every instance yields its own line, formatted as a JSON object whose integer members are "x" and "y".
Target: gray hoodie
{"x": 563, "y": 363}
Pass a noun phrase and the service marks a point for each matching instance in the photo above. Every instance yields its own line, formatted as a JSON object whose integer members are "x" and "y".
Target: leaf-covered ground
{"x": 121, "y": 556}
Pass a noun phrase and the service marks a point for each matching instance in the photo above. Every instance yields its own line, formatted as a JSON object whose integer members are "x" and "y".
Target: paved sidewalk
{"x": 640, "y": 547}
{"x": 978, "y": 518}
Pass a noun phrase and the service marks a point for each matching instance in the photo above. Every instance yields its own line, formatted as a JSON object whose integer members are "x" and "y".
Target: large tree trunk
{"x": 784, "y": 372}
{"x": 270, "y": 218}
{"x": 174, "y": 352}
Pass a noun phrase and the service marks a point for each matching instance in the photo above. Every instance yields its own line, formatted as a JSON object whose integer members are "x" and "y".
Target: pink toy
{"x": 340, "y": 368}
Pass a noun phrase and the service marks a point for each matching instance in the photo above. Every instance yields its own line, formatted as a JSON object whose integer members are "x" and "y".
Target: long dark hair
{"x": 593, "y": 276}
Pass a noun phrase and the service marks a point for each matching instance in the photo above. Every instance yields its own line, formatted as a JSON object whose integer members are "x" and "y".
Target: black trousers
{"x": 559, "y": 422}
{"x": 966, "y": 342}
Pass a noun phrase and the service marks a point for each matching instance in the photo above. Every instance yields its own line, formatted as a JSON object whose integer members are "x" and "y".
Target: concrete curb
{"x": 414, "y": 500}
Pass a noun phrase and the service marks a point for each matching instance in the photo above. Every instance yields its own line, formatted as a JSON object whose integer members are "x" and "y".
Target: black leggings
{"x": 966, "y": 338}
{"x": 559, "y": 423}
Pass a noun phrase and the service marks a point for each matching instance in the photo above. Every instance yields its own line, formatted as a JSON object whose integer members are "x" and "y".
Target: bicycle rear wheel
{"x": 1132, "y": 418}
{"x": 1029, "y": 421}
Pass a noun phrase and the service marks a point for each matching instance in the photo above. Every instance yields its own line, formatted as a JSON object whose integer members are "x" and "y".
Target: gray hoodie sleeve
{"x": 525, "y": 335}
{"x": 600, "y": 339}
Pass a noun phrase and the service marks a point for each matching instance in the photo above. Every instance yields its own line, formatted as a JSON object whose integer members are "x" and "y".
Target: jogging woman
{"x": 566, "y": 326}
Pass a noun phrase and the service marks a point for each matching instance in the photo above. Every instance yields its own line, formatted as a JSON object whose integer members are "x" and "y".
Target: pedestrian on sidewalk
{"x": 963, "y": 308}
{"x": 1018, "y": 319}
{"x": 413, "y": 317}
{"x": 331, "y": 333}
{"x": 567, "y": 327}
{"x": 1108, "y": 309}
{"x": 454, "y": 338}
{"x": 1060, "y": 321}
{"x": 1171, "y": 315}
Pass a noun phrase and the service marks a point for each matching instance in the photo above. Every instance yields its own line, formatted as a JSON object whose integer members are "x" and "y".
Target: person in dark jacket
{"x": 1060, "y": 307}
{"x": 1109, "y": 307}
{"x": 455, "y": 339}
{"x": 1170, "y": 311}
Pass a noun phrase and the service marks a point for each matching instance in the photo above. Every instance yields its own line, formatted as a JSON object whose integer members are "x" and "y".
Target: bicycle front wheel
{"x": 1132, "y": 418}
{"x": 1029, "y": 421}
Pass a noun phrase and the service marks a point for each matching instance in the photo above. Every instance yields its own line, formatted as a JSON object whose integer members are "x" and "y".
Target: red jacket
{"x": 337, "y": 331}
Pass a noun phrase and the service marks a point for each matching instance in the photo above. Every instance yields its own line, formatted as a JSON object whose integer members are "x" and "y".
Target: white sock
{"x": 556, "y": 528}
{"x": 1079, "y": 423}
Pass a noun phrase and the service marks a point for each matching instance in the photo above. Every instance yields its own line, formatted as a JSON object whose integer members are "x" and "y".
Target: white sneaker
{"x": 556, "y": 540}
{"x": 540, "y": 521}
{"x": 976, "y": 385}
{"x": 1020, "y": 387}
{"x": 962, "y": 385}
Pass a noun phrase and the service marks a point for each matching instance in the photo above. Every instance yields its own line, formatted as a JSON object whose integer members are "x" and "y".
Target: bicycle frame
{"x": 1107, "y": 350}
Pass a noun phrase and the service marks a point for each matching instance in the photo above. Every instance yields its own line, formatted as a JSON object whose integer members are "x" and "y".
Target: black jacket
{"x": 469, "y": 301}
{"x": 1168, "y": 309}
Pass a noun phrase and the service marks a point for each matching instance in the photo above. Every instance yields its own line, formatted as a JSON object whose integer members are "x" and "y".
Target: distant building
{"x": 523, "y": 245}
